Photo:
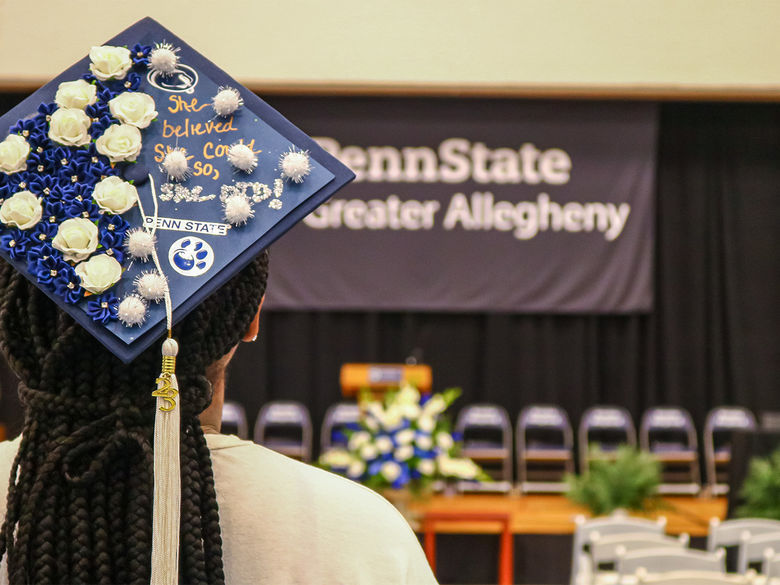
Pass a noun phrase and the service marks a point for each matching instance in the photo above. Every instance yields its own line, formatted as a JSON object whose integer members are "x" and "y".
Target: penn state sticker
{"x": 191, "y": 256}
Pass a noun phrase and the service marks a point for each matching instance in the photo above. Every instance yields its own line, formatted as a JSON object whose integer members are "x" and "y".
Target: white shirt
{"x": 285, "y": 522}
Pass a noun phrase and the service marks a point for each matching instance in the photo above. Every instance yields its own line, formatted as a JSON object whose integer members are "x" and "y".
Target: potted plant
{"x": 761, "y": 489}
{"x": 627, "y": 481}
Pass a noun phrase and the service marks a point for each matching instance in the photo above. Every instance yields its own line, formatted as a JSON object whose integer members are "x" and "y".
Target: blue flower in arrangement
{"x": 97, "y": 110}
{"x": 99, "y": 171}
{"x": 140, "y": 55}
{"x": 47, "y": 268}
{"x": 15, "y": 243}
{"x": 24, "y": 127}
{"x": 54, "y": 211}
{"x": 39, "y": 251}
{"x": 99, "y": 125}
{"x": 132, "y": 82}
{"x": 42, "y": 185}
{"x": 67, "y": 285}
{"x": 111, "y": 225}
{"x": 18, "y": 182}
{"x": 104, "y": 308}
{"x": 43, "y": 232}
{"x": 81, "y": 207}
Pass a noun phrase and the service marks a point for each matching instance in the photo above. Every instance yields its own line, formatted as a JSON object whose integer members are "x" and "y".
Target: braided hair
{"x": 79, "y": 506}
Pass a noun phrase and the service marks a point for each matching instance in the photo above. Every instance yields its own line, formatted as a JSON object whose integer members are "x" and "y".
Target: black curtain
{"x": 711, "y": 339}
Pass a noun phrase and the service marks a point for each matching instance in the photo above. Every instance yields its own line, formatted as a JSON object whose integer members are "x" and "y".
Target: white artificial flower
{"x": 424, "y": 441}
{"x": 410, "y": 411}
{"x": 70, "y": 127}
{"x": 393, "y": 417}
{"x": 408, "y": 394}
{"x": 456, "y": 467}
{"x": 435, "y": 406}
{"x": 120, "y": 142}
{"x": 22, "y": 210}
{"x": 110, "y": 62}
{"x": 403, "y": 453}
{"x": 390, "y": 470}
{"x": 369, "y": 452}
{"x": 99, "y": 273}
{"x": 358, "y": 439}
{"x": 334, "y": 457}
{"x": 404, "y": 437}
{"x": 426, "y": 423}
{"x": 426, "y": 466}
{"x": 115, "y": 195}
{"x": 134, "y": 108}
{"x": 76, "y": 238}
{"x": 372, "y": 424}
{"x": 384, "y": 444}
{"x": 76, "y": 94}
{"x": 444, "y": 440}
{"x": 13, "y": 154}
{"x": 356, "y": 469}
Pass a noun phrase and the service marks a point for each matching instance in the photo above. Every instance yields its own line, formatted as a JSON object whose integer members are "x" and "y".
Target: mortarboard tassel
{"x": 166, "y": 507}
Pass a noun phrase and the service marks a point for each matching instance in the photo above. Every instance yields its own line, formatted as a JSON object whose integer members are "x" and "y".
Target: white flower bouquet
{"x": 403, "y": 441}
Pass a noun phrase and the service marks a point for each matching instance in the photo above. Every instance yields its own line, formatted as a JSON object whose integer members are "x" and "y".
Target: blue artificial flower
{"x": 97, "y": 110}
{"x": 19, "y": 181}
{"x": 67, "y": 285}
{"x": 15, "y": 243}
{"x": 23, "y": 127}
{"x": 116, "y": 252}
{"x": 132, "y": 82}
{"x": 404, "y": 476}
{"x": 39, "y": 162}
{"x": 106, "y": 94}
{"x": 83, "y": 207}
{"x": 38, "y": 251}
{"x": 99, "y": 171}
{"x": 47, "y": 268}
{"x": 423, "y": 454}
{"x": 89, "y": 78}
{"x": 140, "y": 55}
{"x": 57, "y": 157}
{"x": 44, "y": 231}
{"x": 104, "y": 308}
{"x": 42, "y": 185}
{"x": 114, "y": 224}
{"x": 100, "y": 125}
{"x": 47, "y": 109}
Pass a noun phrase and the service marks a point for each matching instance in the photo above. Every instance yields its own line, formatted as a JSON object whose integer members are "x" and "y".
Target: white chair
{"x": 730, "y": 532}
{"x": 234, "y": 419}
{"x": 617, "y": 523}
{"x": 692, "y": 578}
{"x": 753, "y": 547}
{"x": 771, "y": 566}
{"x": 605, "y": 550}
{"x": 670, "y": 559}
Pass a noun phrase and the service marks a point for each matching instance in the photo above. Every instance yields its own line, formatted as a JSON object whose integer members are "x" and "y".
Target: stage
{"x": 541, "y": 527}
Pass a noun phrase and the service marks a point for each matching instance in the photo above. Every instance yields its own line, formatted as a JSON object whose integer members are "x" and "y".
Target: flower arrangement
{"x": 403, "y": 441}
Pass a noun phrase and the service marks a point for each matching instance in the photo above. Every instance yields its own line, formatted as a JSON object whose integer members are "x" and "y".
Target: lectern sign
{"x": 476, "y": 205}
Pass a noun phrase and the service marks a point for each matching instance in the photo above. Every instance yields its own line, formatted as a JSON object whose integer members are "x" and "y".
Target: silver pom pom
{"x": 132, "y": 311}
{"x": 176, "y": 165}
{"x": 140, "y": 244}
{"x": 227, "y": 101}
{"x": 242, "y": 157}
{"x": 163, "y": 59}
{"x": 295, "y": 165}
{"x": 238, "y": 209}
{"x": 151, "y": 285}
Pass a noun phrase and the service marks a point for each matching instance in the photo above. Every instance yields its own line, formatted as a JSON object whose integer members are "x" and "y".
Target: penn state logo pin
{"x": 191, "y": 256}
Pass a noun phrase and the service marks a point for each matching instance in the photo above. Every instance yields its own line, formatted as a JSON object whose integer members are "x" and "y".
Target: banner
{"x": 475, "y": 205}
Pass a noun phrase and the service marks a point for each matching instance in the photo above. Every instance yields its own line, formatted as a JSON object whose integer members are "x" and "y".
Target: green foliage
{"x": 628, "y": 481}
{"x": 761, "y": 490}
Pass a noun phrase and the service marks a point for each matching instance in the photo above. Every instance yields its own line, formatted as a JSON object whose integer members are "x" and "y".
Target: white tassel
{"x": 167, "y": 478}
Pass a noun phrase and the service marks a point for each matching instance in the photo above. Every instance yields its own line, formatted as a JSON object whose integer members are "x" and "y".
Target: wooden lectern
{"x": 379, "y": 378}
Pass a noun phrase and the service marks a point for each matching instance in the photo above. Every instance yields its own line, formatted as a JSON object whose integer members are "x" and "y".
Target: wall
{"x": 660, "y": 45}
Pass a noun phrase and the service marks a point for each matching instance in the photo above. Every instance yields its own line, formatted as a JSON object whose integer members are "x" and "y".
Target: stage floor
{"x": 554, "y": 514}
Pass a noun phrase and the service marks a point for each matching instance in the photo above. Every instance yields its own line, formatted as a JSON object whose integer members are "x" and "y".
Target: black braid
{"x": 79, "y": 505}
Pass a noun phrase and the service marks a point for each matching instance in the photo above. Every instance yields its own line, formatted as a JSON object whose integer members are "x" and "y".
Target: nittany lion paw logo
{"x": 191, "y": 256}
{"x": 182, "y": 80}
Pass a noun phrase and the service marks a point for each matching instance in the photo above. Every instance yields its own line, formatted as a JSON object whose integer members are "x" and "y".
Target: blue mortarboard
{"x": 219, "y": 176}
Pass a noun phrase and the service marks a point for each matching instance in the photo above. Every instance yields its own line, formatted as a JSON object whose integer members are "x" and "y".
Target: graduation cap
{"x": 135, "y": 184}
{"x": 145, "y": 145}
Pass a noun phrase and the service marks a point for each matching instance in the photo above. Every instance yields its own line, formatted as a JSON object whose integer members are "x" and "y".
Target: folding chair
{"x": 667, "y": 432}
{"x": 285, "y": 427}
{"x": 771, "y": 566}
{"x": 692, "y": 578}
{"x": 234, "y": 420}
{"x": 731, "y": 532}
{"x": 606, "y": 428}
{"x": 336, "y": 418}
{"x": 754, "y": 547}
{"x": 717, "y": 452}
{"x": 617, "y": 523}
{"x": 661, "y": 560}
{"x": 605, "y": 550}
{"x": 545, "y": 448}
{"x": 487, "y": 439}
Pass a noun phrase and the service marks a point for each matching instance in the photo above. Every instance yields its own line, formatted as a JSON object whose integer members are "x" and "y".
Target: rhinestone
{"x": 74, "y": 179}
{"x": 40, "y": 168}
{"x": 111, "y": 227}
{"x": 79, "y": 198}
{"x": 42, "y": 237}
{"x": 25, "y": 133}
{"x": 94, "y": 120}
{"x": 128, "y": 84}
{"x": 95, "y": 160}
{"x": 64, "y": 162}
{"x": 48, "y": 118}
{"x": 104, "y": 305}
{"x": 52, "y": 219}
{"x": 71, "y": 286}
{"x": 23, "y": 185}
{"x": 110, "y": 252}
{"x": 53, "y": 272}
{"x": 12, "y": 243}
{"x": 85, "y": 214}
{"x": 46, "y": 191}
{"x": 39, "y": 150}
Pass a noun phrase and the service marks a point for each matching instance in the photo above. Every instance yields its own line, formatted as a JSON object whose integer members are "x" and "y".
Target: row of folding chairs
{"x": 544, "y": 440}
{"x": 619, "y": 548}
